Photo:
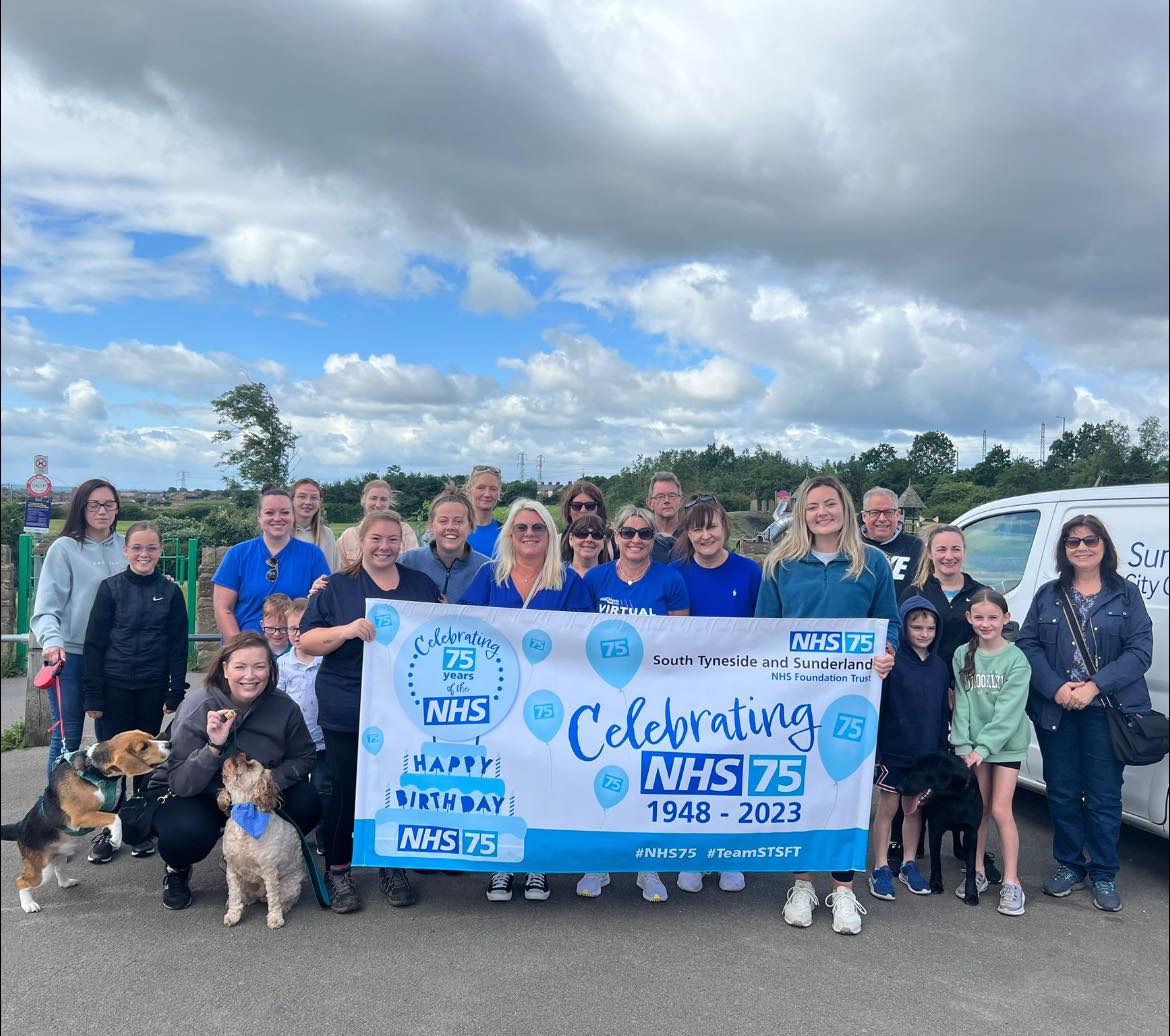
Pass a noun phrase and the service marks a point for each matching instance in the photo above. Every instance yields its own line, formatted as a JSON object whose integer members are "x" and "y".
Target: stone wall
{"x": 7, "y": 596}
{"x": 209, "y": 560}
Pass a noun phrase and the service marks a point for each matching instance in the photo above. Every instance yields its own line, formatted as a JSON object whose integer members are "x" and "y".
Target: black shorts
{"x": 887, "y": 776}
{"x": 1007, "y": 766}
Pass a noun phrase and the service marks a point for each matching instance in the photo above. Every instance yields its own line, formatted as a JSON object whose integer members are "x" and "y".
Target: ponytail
{"x": 967, "y": 673}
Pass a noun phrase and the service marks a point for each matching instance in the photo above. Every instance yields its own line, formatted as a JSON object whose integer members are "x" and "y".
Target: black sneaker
{"x": 396, "y": 888}
{"x": 499, "y": 889}
{"x": 177, "y": 888}
{"x": 536, "y": 887}
{"x": 142, "y": 849}
{"x": 103, "y": 849}
{"x": 343, "y": 897}
{"x": 991, "y": 870}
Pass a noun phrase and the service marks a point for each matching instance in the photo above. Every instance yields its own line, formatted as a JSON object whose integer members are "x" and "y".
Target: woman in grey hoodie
{"x": 88, "y": 551}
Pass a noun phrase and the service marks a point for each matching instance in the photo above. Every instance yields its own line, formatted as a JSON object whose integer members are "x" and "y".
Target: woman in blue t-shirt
{"x": 634, "y": 585}
{"x": 527, "y": 573}
{"x": 483, "y": 488}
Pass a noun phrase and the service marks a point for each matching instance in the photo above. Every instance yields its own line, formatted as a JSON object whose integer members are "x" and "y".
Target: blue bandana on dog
{"x": 250, "y": 818}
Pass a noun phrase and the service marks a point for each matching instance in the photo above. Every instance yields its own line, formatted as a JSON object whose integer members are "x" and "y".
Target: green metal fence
{"x": 180, "y": 561}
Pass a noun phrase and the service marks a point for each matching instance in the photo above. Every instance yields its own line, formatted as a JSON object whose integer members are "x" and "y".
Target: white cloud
{"x": 494, "y": 290}
{"x": 83, "y": 401}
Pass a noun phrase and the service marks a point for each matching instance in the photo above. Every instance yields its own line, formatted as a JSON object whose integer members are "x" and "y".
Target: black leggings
{"x": 336, "y": 834}
{"x": 130, "y": 708}
{"x": 188, "y": 828}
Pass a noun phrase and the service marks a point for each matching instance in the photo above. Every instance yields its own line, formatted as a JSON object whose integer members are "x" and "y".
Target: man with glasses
{"x": 882, "y": 527}
{"x": 665, "y": 502}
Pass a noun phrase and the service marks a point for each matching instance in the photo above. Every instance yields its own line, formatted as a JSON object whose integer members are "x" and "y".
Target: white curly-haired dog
{"x": 262, "y": 850}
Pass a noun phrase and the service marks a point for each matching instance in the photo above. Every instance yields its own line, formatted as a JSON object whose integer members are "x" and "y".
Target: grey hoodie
{"x": 67, "y": 585}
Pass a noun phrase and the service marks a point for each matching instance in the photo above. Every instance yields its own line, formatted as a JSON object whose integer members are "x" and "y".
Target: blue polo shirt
{"x": 483, "y": 537}
{"x": 245, "y": 569}
{"x": 659, "y": 591}
{"x": 485, "y": 592}
{"x": 729, "y": 590}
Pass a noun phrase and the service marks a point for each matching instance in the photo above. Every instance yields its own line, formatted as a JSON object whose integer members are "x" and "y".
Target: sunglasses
{"x": 626, "y": 533}
{"x": 1071, "y": 542}
{"x": 587, "y": 505}
{"x": 700, "y": 498}
{"x": 589, "y": 534}
{"x": 273, "y": 573}
{"x": 536, "y": 528}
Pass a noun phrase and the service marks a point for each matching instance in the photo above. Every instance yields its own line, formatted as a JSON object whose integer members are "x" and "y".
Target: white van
{"x": 1010, "y": 547}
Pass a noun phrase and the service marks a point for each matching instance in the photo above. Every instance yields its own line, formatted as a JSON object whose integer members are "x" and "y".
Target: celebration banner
{"x": 497, "y": 739}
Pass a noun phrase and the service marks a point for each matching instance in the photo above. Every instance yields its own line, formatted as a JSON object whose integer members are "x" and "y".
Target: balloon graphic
{"x": 372, "y": 740}
{"x": 544, "y": 714}
{"x": 386, "y": 622}
{"x": 537, "y": 645}
{"x": 614, "y": 649}
{"x": 847, "y": 735}
{"x": 610, "y": 786}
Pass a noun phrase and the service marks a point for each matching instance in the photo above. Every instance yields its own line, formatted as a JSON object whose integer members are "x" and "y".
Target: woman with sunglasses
{"x": 822, "y": 570}
{"x": 582, "y": 498}
{"x": 635, "y": 584}
{"x": 483, "y": 487}
{"x": 587, "y": 543}
{"x": 527, "y": 573}
{"x": 88, "y": 551}
{"x": 271, "y": 563}
{"x": 1082, "y": 775}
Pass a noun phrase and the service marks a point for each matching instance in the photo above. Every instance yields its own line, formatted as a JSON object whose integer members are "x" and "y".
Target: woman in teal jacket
{"x": 822, "y": 570}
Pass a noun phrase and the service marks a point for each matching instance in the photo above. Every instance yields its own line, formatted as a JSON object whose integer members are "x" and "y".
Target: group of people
{"x": 285, "y": 686}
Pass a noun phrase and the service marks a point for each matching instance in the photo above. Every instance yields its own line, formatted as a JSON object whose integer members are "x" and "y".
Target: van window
{"x": 998, "y": 548}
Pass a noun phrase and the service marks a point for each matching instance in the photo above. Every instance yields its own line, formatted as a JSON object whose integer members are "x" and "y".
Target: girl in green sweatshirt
{"x": 990, "y": 731}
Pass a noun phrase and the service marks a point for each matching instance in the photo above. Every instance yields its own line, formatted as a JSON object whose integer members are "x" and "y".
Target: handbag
{"x": 1137, "y": 738}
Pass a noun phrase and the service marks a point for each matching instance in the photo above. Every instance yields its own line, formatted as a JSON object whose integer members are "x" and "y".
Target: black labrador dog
{"x": 946, "y": 791}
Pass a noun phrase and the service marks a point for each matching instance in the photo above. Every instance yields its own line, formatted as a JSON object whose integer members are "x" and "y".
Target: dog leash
{"x": 320, "y": 890}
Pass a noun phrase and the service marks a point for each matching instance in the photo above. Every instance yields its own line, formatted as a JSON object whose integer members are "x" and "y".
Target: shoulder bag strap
{"x": 1078, "y": 636}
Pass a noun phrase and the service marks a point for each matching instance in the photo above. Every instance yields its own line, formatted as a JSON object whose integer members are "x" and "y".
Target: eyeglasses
{"x": 885, "y": 512}
{"x": 273, "y": 573}
{"x": 293, "y": 630}
{"x": 101, "y": 505}
{"x": 1071, "y": 542}
{"x": 536, "y": 528}
{"x": 583, "y": 505}
{"x": 588, "y": 534}
{"x": 700, "y": 498}
{"x": 153, "y": 548}
{"x": 659, "y": 497}
{"x": 626, "y": 533}
{"x": 272, "y": 631}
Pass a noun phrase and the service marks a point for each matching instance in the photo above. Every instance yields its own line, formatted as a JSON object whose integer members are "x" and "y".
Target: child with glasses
{"x": 135, "y": 653}
{"x": 274, "y": 622}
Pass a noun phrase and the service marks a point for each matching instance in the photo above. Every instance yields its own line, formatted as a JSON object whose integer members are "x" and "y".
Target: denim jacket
{"x": 1121, "y": 633}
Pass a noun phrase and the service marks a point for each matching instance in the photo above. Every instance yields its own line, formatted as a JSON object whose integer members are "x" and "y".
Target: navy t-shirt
{"x": 245, "y": 569}
{"x": 729, "y": 590}
{"x": 483, "y": 537}
{"x": 339, "y": 680}
{"x": 660, "y": 591}
{"x": 485, "y": 592}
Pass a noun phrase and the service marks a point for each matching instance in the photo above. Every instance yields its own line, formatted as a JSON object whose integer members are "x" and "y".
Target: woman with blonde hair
{"x": 448, "y": 559}
{"x": 377, "y": 495}
{"x": 483, "y": 486}
{"x": 527, "y": 573}
{"x": 309, "y": 523}
{"x": 822, "y": 570}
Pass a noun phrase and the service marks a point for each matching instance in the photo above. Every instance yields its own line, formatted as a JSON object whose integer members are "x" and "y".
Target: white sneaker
{"x": 690, "y": 881}
{"x": 590, "y": 885}
{"x": 846, "y": 910}
{"x": 798, "y": 907}
{"x": 731, "y": 881}
{"x": 653, "y": 891}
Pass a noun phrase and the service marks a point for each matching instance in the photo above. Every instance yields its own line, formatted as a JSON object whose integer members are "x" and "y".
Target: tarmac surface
{"x": 105, "y": 957}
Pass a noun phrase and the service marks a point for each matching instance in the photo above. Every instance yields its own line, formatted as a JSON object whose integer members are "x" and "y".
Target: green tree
{"x": 951, "y": 498}
{"x": 931, "y": 455}
{"x": 994, "y": 464}
{"x": 262, "y": 444}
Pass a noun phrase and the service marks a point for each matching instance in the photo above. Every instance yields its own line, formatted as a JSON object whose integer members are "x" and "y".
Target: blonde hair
{"x": 355, "y": 566}
{"x": 277, "y": 604}
{"x": 451, "y": 493}
{"x": 552, "y": 572}
{"x": 318, "y": 519}
{"x": 629, "y": 511}
{"x": 378, "y": 483}
{"x": 925, "y": 565}
{"x": 799, "y": 542}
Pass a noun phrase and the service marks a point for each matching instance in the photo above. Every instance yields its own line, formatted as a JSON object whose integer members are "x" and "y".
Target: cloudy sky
{"x": 446, "y": 233}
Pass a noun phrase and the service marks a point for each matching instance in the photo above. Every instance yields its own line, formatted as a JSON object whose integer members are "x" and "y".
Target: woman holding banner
{"x": 822, "y": 570}
{"x": 527, "y": 573}
{"x": 335, "y": 626}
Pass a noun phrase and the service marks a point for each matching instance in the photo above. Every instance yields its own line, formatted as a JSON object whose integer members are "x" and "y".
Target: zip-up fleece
{"x": 67, "y": 585}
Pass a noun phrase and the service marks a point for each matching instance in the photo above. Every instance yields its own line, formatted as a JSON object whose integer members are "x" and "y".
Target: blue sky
{"x": 446, "y": 234}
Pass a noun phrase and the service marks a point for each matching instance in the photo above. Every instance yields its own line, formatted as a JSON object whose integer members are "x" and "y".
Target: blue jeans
{"x": 1084, "y": 793}
{"x": 73, "y": 702}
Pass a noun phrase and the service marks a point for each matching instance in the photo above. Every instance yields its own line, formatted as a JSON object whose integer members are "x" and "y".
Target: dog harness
{"x": 111, "y": 789}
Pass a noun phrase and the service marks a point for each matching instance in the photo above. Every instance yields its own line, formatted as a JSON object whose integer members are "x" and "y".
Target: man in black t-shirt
{"x": 882, "y": 527}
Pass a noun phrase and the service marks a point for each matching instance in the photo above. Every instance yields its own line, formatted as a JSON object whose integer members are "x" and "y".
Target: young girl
{"x": 377, "y": 495}
{"x": 309, "y": 522}
{"x": 135, "y": 653}
{"x": 990, "y": 731}
{"x": 822, "y": 570}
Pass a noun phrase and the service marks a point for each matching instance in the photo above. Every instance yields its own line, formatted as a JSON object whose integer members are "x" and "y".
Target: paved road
{"x": 106, "y": 957}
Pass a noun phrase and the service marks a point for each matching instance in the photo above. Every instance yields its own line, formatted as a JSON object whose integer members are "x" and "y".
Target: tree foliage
{"x": 262, "y": 444}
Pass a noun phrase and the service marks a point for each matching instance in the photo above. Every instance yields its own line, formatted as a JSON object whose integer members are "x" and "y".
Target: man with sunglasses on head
{"x": 882, "y": 526}
{"x": 664, "y": 501}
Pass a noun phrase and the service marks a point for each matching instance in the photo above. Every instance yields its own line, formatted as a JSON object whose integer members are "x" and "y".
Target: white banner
{"x": 497, "y": 739}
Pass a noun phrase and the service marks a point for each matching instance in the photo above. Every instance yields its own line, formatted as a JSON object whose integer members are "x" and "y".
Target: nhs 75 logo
{"x": 458, "y": 660}
{"x": 831, "y": 642}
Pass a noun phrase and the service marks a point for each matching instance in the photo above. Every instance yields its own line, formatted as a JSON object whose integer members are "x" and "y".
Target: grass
{"x": 13, "y": 737}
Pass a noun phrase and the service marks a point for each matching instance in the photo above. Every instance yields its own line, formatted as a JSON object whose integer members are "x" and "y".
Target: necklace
{"x": 626, "y": 579}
